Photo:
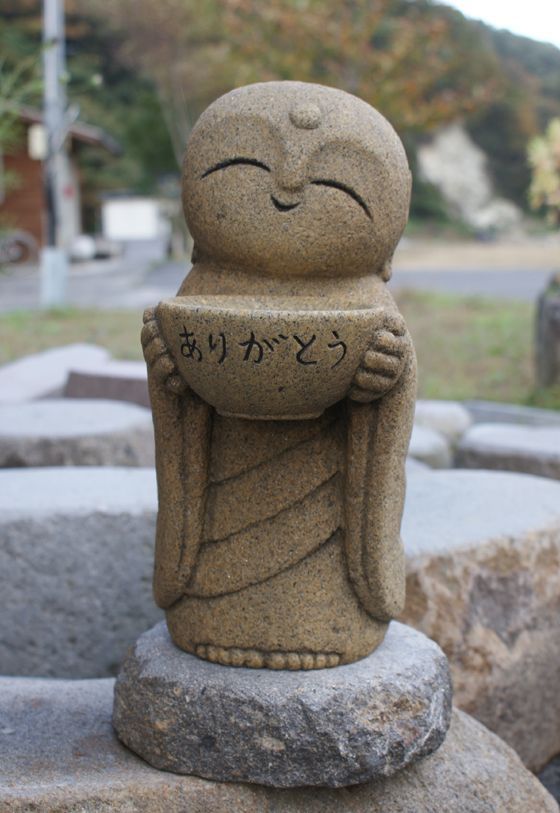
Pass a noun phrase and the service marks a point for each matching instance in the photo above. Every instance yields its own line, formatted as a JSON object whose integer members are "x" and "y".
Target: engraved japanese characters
{"x": 282, "y": 382}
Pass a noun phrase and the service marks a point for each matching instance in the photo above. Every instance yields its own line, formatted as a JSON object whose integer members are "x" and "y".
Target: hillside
{"x": 422, "y": 63}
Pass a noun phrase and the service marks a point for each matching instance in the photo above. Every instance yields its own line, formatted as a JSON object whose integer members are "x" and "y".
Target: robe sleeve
{"x": 375, "y": 481}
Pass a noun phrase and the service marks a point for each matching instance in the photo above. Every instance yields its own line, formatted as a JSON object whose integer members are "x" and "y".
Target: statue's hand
{"x": 160, "y": 364}
{"x": 383, "y": 361}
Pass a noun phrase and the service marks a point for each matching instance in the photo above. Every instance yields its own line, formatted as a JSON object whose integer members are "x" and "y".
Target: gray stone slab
{"x": 44, "y": 374}
{"x": 531, "y": 449}
{"x": 116, "y": 380}
{"x": 328, "y": 727}
{"x": 483, "y": 557}
{"x": 65, "y": 432}
{"x": 76, "y": 558}
{"x": 58, "y": 754}
{"x": 430, "y": 447}
{"x": 496, "y": 412}
{"x": 450, "y": 418}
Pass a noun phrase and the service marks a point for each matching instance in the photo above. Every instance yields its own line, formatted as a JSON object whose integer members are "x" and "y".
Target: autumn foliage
{"x": 398, "y": 55}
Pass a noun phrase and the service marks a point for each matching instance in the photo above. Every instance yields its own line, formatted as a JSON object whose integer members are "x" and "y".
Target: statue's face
{"x": 287, "y": 179}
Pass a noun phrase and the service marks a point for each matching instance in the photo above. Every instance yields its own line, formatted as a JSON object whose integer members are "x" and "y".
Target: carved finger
{"x": 149, "y": 315}
{"x": 382, "y": 363}
{"x": 154, "y": 350}
{"x": 395, "y": 323}
{"x": 362, "y": 396}
{"x": 374, "y": 382}
{"x": 162, "y": 368}
{"x": 176, "y": 384}
{"x": 387, "y": 342}
{"x": 150, "y": 331}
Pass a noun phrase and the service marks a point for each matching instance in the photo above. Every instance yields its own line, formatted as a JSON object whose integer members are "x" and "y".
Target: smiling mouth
{"x": 283, "y": 207}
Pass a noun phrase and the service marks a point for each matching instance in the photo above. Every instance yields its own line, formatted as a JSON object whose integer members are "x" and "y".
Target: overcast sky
{"x": 538, "y": 19}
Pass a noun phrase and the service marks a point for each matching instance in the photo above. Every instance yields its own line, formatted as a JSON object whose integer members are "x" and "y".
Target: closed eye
{"x": 349, "y": 191}
{"x": 231, "y": 162}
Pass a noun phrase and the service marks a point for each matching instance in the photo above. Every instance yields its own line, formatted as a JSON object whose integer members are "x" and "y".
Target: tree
{"x": 397, "y": 55}
{"x": 544, "y": 158}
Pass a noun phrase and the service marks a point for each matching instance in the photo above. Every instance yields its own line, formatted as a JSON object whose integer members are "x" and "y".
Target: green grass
{"x": 467, "y": 347}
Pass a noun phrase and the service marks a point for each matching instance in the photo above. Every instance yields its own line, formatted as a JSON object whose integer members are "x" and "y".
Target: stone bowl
{"x": 268, "y": 358}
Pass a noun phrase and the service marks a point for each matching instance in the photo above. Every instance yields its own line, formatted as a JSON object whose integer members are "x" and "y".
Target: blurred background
{"x": 97, "y": 101}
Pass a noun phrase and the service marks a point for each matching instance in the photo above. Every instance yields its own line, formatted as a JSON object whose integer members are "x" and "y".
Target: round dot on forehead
{"x": 305, "y": 116}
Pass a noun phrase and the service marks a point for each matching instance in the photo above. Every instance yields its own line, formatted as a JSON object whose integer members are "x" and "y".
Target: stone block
{"x": 76, "y": 558}
{"x": 44, "y": 374}
{"x": 65, "y": 432}
{"x": 449, "y": 418}
{"x": 323, "y": 727}
{"x": 483, "y": 557}
{"x": 496, "y": 412}
{"x": 530, "y": 449}
{"x": 430, "y": 447}
{"x": 114, "y": 380}
{"x": 59, "y": 754}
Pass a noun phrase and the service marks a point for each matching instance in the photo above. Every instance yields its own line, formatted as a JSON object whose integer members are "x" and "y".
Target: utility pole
{"x": 54, "y": 258}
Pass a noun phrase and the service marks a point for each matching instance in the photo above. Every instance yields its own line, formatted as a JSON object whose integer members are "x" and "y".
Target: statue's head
{"x": 295, "y": 179}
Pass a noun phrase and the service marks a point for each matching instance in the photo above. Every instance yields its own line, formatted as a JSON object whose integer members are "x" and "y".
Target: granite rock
{"x": 430, "y": 447}
{"x": 59, "y": 754}
{"x": 324, "y": 727}
{"x": 76, "y": 552}
{"x": 497, "y": 412}
{"x": 530, "y": 449}
{"x": 44, "y": 374}
{"x": 66, "y": 432}
{"x": 114, "y": 380}
{"x": 450, "y": 418}
{"x": 483, "y": 557}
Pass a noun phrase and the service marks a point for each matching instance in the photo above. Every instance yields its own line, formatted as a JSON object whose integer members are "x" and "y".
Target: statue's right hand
{"x": 161, "y": 366}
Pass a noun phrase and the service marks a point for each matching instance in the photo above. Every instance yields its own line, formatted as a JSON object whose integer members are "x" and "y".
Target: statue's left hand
{"x": 161, "y": 366}
{"x": 383, "y": 361}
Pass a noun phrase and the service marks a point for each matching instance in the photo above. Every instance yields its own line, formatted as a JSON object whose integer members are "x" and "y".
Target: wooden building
{"x": 22, "y": 197}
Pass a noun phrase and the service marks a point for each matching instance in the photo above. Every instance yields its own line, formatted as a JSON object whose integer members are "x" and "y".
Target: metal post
{"x": 54, "y": 259}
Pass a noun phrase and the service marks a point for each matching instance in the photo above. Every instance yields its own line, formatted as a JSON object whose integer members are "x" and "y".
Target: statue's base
{"x": 330, "y": 727}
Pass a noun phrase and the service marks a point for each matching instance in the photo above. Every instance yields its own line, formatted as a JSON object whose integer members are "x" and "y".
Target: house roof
{"x": 80, "y": 131}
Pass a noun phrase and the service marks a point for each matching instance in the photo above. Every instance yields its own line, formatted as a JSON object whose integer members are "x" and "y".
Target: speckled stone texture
{"x": 282, "y": 380}
{"x": 59, "y": 754}
{"x": 530, "y": 449}
{"x": 75, "y": 432}
{"x": 76, "y": 552}
{"x": 483, "y": 558}
{"x": 44, "y": 374}
{"x": 330, "y": 728}
{"x": 113, "y": 380}
{"x": 449, "y": 418}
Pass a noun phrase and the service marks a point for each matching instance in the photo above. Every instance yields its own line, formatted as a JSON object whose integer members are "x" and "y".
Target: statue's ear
{"x": 386, "y": 270}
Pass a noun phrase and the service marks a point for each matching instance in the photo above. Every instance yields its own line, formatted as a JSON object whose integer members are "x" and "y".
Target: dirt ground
{"x": 522, "y": 252}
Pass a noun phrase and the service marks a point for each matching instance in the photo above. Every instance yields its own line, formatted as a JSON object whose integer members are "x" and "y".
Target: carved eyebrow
{"x": 349, "y": 191}
{"x": 230, "y": 162}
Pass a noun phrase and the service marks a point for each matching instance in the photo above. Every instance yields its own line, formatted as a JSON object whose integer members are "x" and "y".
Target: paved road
{"x": 496, "y": 284}
{"x": 133, "y": 282}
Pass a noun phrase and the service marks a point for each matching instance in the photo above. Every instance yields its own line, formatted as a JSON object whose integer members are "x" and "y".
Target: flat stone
{"x": 327, "y": 727}
{"x": 550, "y": 777}
{"x": 530, "y": 449}
{"x": 114, "y": 379}
{"x": 76, "y": 559}
{"x": 496, "y": 412}
{"x": 483, "y": 557}
{"x": 66, "y": 432}
{"x": 430, "y": 447}
{"x": 59, "y": 754}
{"x": 44, "y": 374}
{"x": 450, "y": 418}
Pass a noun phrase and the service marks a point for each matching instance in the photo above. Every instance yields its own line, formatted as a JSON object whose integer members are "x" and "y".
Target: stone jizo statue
{"x": 282, "y": 382}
